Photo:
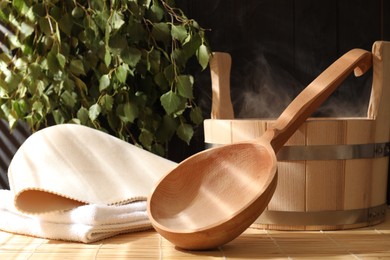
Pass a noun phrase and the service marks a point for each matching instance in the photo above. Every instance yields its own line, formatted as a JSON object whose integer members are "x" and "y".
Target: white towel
{"x": 64, "y": 166}
{"x": 86, "y": 223}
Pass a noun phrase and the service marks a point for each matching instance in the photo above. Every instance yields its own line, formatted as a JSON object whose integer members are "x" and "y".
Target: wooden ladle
{"x": 213, "y": 196}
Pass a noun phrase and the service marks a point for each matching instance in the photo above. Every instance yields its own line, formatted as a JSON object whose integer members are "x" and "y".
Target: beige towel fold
{"x": 66, "y": 166}
{"x": 87, "y": 223}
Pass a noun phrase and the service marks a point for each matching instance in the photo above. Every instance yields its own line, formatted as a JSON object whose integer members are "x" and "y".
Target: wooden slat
{"x": 371, "y": 243}
{"x": 325, "y": 179}
{"x": 380, "y": 110}
{"x": 358, "y": 172}
{"x": 244, "y": 130}
{"x": 332, "y": 185}
{"x": 290, "y": 194}
{"x": 217, "y": 131}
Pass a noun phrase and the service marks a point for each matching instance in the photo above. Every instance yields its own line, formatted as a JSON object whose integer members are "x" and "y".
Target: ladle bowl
{"x": 218, "y": 200}
{"x": 213, "y": 196}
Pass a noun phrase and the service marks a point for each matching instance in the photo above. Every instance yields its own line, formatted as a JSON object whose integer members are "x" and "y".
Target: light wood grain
{"x": 325, "y": 179}
{"x": 333, "y": 185}
{"x": 367, "y": 243}
{"x": 213, "y": 196}
{"x": 220, "y": 65}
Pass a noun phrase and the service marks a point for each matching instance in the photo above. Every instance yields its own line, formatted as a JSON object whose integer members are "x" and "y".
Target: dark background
{"x": 284, "y": 44}
{"x": 277, "y": 46}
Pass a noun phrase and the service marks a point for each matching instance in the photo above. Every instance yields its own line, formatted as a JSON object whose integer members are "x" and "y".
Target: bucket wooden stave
{"x": 332, "y": 173}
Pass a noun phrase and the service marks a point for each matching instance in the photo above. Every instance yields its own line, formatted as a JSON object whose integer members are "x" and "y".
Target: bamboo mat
{"x": 365, "y": 243}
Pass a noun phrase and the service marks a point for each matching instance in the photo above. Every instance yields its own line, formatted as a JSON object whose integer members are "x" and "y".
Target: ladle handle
{"x": 315, "y": 94}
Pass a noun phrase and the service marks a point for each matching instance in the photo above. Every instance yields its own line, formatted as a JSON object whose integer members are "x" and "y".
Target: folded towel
{"x": 86, "y": 223}
{"x": 64, "y": 166}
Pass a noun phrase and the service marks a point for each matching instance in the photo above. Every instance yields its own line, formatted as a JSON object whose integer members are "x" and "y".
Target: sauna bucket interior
{"x": 332, "y": 173}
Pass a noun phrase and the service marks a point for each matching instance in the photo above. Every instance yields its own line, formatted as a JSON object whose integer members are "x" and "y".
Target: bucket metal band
{"x": 370, "y": 216}
{"x": 330, "y": 152}
{"x": 333, "y": 152}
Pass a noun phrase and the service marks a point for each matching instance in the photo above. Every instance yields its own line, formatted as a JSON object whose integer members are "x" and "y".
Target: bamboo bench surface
{"x": 364, "y": 243}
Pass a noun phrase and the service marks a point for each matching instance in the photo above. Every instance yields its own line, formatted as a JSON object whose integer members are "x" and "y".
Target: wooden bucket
{"x": 332, "y": 173}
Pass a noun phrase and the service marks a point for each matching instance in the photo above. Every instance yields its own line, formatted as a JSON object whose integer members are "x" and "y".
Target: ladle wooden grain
{"x": 213, "y": 196}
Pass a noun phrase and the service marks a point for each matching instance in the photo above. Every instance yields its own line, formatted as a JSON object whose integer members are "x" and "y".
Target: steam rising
{"x": 266, "y": 89}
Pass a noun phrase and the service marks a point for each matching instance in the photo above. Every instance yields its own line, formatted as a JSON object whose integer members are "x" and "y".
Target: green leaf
{"x": 179, "y": 32}
{"x": 61, "y": 60}
{"x": 26, "y": 29}
{"x": 75, "y": 121}
{"x": 52, "y": 61}
{"x": 104, "y": 82}
{"x": 146, "y": 138}
{"x": 81, "y": 85}
{"x": 58, "y": 117}
{"x": 154, "y": 58}
{"x": 37, "y": 88}
{"x": 117, "y": 20}
{"x": 156, "y": 11}
{"x": 185, "y": 132}
{"x": 161, "y": 32}
{"x": 18, "y": 110}
{"x": 69, "y": 99}
{"x": 66, "y": 23}
{"x": 37, "y": 107}
{"x": 191, "y": 47}
{"x": 77, "y": 67}
{"x": 45, "y": 26}
{"x": 21, "y": 63}
{"x": 136, "y": 32}
{"x": 83, "y": 115}
{"x": 107, "y": 56}
{"x": 145, "y": 3}
{"x": 203, "y": 56}
{"x": 117, "y": 42}
{"x": 12, "y": 81}
{"x": 181, "y": 56}
{"x": 55, "y": 11}
{"x": 184, "y": 85}
{"x": 69, "y": 84}
{"x": 161, "y": 81}
{"x": 101, "y": 18}
{"x": 77, "y": 12}
{"x": 98, "y": 5}
{"x": 158, "y": 149}
{"x": 167, "y": 128}
{"x": 196, "y": 115}
{"x": 107, "y": 102}
{"x": 35, "y": 70}
{"x": 39, "y": 9}
{"x": 121, "y": 73}
{"x": 20, "y": 5}
{"x": 127, "y": 112}
{"x": 131, "y": 56}
{"x": 171, "y": 102}
{"x": 57, "y": 32}
{"x": 90, "y": 62}
{"x": 169, "y": 73}
{"x": 119, "y": 66}
{"x": 94, "y": 111}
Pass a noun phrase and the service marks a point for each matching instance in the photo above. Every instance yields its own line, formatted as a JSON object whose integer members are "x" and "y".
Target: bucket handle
{"x": 380, "y": 91}
{"x": 220, "y": 66}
